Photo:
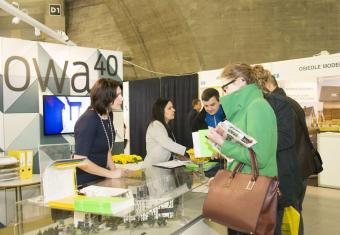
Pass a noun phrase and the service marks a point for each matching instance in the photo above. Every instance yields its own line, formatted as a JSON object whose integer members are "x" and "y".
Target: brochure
{"x": 202, "y": 148}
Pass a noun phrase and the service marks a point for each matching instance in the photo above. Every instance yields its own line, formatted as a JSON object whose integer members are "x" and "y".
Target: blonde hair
{"x": 251, "y": 74}
{"x": 262, "y": 76}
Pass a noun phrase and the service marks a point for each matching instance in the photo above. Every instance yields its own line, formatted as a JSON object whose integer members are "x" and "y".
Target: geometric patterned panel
{"x": 29, "y": 65}
{"x": 89, "y": 57}
{"x": 10, "y": 96}
{"x": 110, "y": 62}
{"x": 107, "y": 55}
{"x": 17, "y": 60}
{"x": 47, "y": 60}
{"x": 21, "y": 130}
{"x": 52, "y": 139}
{"x": 27, "y": 102}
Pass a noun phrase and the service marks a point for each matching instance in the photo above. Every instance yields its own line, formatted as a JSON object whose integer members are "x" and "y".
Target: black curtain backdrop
{"x": 181, "y": 90}
{"x": 142, "y": 95}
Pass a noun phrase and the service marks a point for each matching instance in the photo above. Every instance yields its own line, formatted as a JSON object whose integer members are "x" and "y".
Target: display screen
{"x": 61, "y": 113}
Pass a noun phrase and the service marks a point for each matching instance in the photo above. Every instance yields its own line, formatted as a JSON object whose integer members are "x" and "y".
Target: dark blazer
{"x": 304, "y": 151}
{"x": 199, "y": 121}
{"x": 191, "y": 117}
{"x": 287, "y": 163}
{"x": 188, "y": 127}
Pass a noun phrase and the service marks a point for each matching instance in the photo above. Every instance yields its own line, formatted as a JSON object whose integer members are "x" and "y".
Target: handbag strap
{"x": 254, "y": 166}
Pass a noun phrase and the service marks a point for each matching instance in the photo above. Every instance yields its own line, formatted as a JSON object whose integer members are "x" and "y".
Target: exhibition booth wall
{"x": 31, "y": 70}
{"x": 314, "y": 82}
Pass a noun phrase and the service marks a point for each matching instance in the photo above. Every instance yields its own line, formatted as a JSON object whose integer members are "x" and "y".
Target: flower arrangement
{"x": 195, "y": 159}
{"x": 126, "y": 158}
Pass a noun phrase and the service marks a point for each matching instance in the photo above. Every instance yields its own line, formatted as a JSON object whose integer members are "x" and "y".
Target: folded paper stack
{"x": 9, "y": 168}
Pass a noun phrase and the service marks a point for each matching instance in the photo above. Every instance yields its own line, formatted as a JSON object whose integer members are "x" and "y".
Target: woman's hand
{"x": 132, "y": 173}
{"x": 116, "y": 173}
{"x": 215, "y": 137}
{"x": 220, "y": 130}
{"x": 209, "y": 181}
{"x": 184, "y": 157}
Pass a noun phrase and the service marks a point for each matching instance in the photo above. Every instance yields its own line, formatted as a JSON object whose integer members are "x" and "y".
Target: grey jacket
{"x": 159, "y": 145}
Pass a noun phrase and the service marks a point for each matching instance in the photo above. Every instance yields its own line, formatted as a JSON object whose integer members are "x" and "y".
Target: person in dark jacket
{"x": 211, "y": 114}
{"x": 196, "y": 108}
{"x": 303, "y": 150}
{"x": 287, "y": 163}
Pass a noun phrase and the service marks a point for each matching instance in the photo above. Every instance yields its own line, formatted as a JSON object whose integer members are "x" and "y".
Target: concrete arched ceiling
{"x": 183, "y": 36}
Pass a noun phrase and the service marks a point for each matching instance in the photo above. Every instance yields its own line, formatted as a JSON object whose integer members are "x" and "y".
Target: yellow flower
{"x": 195, "y": 159}
{"x": 126, "y": 158}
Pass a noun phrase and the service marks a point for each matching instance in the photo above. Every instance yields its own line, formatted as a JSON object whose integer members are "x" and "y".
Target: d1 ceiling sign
{"x": 55, "y": 9}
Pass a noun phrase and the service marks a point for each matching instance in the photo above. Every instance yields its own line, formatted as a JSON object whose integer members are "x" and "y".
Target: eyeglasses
{"x": 225, "y": 86}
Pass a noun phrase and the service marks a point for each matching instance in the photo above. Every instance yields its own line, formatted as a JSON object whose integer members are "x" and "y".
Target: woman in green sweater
{"x": 245, "y": 107}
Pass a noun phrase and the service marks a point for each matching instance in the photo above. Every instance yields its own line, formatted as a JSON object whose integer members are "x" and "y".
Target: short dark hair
{"x": 103, "y": 92}
{"x": 209, "y": 93}
{"x": 194, "y": 102}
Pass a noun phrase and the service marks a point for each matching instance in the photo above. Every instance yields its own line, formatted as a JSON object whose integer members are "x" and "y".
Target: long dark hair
{"x": 103, "y": 92}
{"x": 158, "y": 114}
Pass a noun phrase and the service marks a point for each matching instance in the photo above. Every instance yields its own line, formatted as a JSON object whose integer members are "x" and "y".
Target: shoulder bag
{"x": 243, "y": 202}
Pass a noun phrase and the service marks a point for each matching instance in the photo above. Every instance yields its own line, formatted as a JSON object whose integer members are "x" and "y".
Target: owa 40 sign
{"x": 109, "y": 66}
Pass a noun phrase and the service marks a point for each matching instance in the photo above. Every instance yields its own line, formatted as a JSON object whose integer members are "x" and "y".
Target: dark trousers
{"x": 212, "y": 172}
{"x": 301, "y": 198}
{"x": 279, "y": 218}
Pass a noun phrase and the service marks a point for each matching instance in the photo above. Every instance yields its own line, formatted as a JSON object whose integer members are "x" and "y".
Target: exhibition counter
{"x": 164, "y": 201}
{"x": 328, "y": 147}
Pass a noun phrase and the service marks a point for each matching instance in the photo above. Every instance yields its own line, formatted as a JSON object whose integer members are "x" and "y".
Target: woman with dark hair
{"x": 94, "y": 133}
{"x": 160, "y": 141}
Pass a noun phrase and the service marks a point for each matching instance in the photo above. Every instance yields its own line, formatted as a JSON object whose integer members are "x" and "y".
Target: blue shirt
{"x": 213, "y": 120}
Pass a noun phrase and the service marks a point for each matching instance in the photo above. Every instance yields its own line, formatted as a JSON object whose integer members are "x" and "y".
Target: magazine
{"x": 235, "y": 134}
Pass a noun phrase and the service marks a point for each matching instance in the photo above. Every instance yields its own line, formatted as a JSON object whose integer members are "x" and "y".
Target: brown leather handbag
{"x": 243, "y": 202}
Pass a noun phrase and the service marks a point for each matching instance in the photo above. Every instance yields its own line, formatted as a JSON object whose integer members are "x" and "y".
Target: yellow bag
{"x": 290, "y": 221}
